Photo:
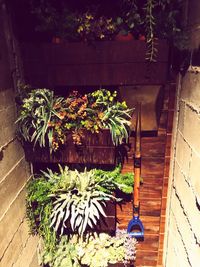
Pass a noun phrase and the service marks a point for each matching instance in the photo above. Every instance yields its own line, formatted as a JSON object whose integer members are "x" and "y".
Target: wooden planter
{"x": 107, "y": 63}
{"x": 96, "y": 149}
{"x": 108, "y": 224}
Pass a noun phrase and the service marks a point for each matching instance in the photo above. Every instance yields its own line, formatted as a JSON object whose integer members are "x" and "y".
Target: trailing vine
{"x": 150, "y": 31}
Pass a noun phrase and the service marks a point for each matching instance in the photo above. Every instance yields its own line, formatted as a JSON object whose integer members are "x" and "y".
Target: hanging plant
{"x": 150, "y": 23}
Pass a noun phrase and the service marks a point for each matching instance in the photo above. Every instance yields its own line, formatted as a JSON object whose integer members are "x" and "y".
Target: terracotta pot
{"x": 142, "y": 37}
{"x": 124, "y": 37}
{"x": 56, "y": 40}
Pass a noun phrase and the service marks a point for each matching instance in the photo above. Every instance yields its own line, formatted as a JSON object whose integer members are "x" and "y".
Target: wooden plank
{"x": 96, "y": 148}
{"x": 146, "y": 258}
{"x": 99, "y": 52}
{"x": 105, "y": 63}
{"x": 153, "y": 147}
{"x": 95, "y": 74}
{"x": 150, "y": 243}
{"x": 153, "y": 167}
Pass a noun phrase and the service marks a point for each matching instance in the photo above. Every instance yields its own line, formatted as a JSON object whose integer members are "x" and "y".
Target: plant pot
{"x": 56, "y": 40}
{"x": 124, "y": 37}
{"x": 95, "y": 149}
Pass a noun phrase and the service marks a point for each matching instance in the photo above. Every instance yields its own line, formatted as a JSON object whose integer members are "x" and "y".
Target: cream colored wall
{"x": 17, "y": 248}
{"x": 182, "y": 235}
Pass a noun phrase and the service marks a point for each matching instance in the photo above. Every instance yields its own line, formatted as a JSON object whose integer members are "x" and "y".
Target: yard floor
{"x": 153, "y": 191}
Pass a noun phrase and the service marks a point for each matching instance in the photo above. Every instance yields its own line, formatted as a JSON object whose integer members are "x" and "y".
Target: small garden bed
{"x": 70, "y": 209}
{"x": 76, "y": 129}
{"x": 74, "y": 212}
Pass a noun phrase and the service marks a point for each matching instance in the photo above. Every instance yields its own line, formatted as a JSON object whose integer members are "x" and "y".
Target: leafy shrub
{"x": 123, "y": 182}
{"x": 72, "y": 200}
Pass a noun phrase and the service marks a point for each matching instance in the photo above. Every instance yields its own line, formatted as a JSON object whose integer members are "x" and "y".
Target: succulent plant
{"x": 94, "y": 251}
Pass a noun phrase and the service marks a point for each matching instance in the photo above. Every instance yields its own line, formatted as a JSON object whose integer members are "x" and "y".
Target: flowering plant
{"x": 45, "y": 119}
{"x": 93, "y": 28}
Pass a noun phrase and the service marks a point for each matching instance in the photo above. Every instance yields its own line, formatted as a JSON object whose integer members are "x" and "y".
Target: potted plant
{"x": 60, "y": 25}
{"x": 66, "y": 207}
{"x": 74, "y": 129}
{"x": 150, "y": 19}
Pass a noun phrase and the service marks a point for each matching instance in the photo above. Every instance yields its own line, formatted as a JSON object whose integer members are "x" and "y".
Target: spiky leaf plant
{"x": 36, "y": 112}
{"x": 82, "y": 206}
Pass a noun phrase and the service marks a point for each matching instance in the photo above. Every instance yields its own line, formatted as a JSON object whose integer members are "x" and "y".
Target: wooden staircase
{"x": 153, "y": 191}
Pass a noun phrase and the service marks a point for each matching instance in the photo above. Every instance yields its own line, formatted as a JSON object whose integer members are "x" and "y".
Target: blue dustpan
{"x": 135, "y": 224}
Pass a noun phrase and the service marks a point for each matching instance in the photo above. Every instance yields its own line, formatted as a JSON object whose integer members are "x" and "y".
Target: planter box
{"x": 104, "y": 63}
{"x": 108, "y": 224}
{"x": 96, "y": 149}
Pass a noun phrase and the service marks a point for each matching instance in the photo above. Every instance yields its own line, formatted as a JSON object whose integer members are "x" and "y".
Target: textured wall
{"x": 182, "y": 235}
{"x": 182, "y": 240}
{"x": 17, "y": 248}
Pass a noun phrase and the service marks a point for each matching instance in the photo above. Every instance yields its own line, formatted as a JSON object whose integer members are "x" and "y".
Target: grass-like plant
{"x": 38, "y": 108}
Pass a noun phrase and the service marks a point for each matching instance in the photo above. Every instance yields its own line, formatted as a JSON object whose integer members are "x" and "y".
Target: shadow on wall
{"x": 151, "y": 98}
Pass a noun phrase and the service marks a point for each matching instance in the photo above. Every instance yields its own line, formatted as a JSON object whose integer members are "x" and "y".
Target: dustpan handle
{"x": 137, "y": 161}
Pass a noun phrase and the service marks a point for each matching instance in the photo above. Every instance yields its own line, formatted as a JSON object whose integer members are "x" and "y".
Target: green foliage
{"x": 46, "y": 120}
{"x": 92, "y": 27}
{"x": 150, "y": 31}
{"x": 151, "y": 19}
{"x": 38, "y": 210}
{"x": 81, "y": 206}
{"x": 62, "y": 24}
{"x": 36, "y": 112}
{"x": 162, "y": 20}
{"x": 72, "y": 200}
{"x": 116, "y": 180}
{"x": 95, "y": 251}
{"x": 113, "y": 115}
